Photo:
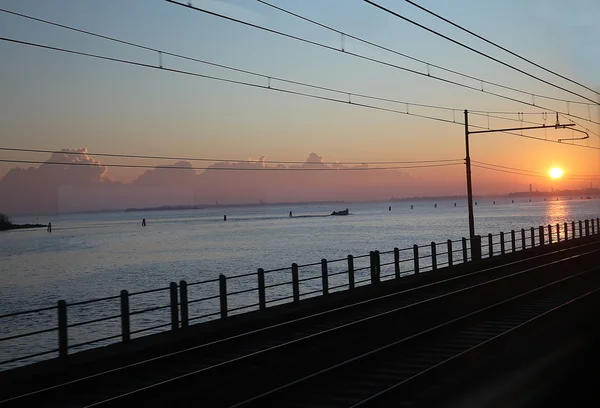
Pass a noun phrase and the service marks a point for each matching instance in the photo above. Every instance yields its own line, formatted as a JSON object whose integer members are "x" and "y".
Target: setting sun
{"x": 556, "y": 173}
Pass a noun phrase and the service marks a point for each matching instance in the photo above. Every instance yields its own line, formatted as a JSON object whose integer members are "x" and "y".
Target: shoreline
{"x": 594, "y": 193}
{"x": 11, "y": 227}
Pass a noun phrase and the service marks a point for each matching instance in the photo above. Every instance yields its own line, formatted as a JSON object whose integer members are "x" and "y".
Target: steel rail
{"x": 319, "y": 314}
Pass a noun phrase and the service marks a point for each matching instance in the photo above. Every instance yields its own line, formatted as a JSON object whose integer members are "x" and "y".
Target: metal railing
{"x": 128, "y": 315}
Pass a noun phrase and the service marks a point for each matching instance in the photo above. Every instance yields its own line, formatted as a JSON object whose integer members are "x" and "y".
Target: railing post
{"x": 464, "y": 250}
{"x": 450, "y": 261}
{"x": 557, "y": 232}
{"x": 295, "y": 282}
{"x": 416, "y": 258}
{"x": 63, "y": 343}
{"x": 350, "y": 271}
{"x": 587, "y": 228}
{"x": 549, "y": 234}
{"x": 513, "y": 241}
{"x": 523, "y": 241}
{"x": 502, "y": 243}
{"x": 597, "y": 225}
{"x": 262, "y": 296}
{"x": 532, "y": 237}
{"x": 580, "y": 229}
{"x": 566, "y": 232}
{"x": 183, "y": 300}
{"x": 223, "y": 295}
{"x": 125, "y": 325}
{"x": 174, "y": 306}
{"x": 433, "y": 256}
{"x": 573, "y": 231}
{"x": 397, "y": 262}
{"x": 490, "y": 245}
{"x": 541, "y": 230}
{"x": 476, "y": 248}
{"x": 375, "y": 267}
{"x": 324, "y": 276}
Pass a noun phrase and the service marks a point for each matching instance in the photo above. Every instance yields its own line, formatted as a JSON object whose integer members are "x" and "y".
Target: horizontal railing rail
{"x": 227, "y": 295}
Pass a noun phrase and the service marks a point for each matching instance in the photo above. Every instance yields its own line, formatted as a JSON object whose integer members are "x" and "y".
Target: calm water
{"x": 95, "y": 255}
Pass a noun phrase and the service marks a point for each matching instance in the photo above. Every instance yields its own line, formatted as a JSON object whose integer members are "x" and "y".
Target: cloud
{"x": 65, "y": 188}
{"x": 179, "y": 174}
{"x": 90, "y": 171}
{"x": 37, "y": 190}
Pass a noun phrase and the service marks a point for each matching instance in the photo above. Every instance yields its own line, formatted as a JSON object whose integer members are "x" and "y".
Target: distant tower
{"x": 530, "y": 189}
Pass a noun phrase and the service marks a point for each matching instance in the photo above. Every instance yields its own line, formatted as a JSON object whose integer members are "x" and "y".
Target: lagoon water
{"x": 96, "y": 255}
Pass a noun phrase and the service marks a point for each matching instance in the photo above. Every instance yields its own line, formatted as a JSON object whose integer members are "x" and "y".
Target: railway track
{"x": 256, "y": 361}
{"x": 390, "y": 375}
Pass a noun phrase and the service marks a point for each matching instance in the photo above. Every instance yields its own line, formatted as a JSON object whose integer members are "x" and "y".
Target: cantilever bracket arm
{"x": 522, "y": 128}
{"x": 587, "y": 136}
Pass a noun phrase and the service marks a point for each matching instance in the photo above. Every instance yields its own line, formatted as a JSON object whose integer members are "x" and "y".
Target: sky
{"x": 52, "y": 101}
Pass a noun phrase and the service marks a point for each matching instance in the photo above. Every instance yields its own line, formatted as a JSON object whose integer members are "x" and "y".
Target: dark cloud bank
{"x": 52, "y": 188}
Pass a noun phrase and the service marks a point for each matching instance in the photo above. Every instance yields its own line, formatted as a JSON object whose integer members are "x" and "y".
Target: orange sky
{"x": 54, "y": 100}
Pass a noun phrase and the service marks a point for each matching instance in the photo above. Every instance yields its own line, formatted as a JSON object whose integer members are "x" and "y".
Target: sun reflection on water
{"x": 557, "y": 212}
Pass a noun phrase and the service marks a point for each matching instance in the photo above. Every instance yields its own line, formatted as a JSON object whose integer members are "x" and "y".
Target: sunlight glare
{"x": 556, "y": 173}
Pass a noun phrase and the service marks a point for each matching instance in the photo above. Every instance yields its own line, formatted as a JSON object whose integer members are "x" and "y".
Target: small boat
{"x": 343, "y": 212}
{"x": 588, "y": 198}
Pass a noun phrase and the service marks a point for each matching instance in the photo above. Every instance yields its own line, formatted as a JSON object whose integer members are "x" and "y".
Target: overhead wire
{"x": 269, "y": 87}
{"x": 483, "y": 54}
{"x": 205, "y": 159}
{"x": 531, "y": 171}
{"x": 271, "y": 77}
{"x": 374, "y": 60}
{"x": 564, "y": 116}
{"x": 505, "y": 118}
{"x": 265, "y": 87}
{"x": 579, "y": 124}
{"x": 373, "y": 44}
{"x": 227, "y": 67}
{"x": 221, "y": 79}
{"x": 580, "y": 178}
{"x": 143, "y": 166}
{"x": 505, "y": 167}
{"x": 460, "y": 27}
{"x": 539, "y": 138}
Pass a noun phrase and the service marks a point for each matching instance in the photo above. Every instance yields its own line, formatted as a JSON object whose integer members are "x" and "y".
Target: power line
{"x": 579, "y": 124}
{"x": 360, "y": 56}
{"x": 491, "y": 115}
{"x": 503, "y": 118}
{"x": 204, "y": 159}
{"x": 476, "y": 51}
{"x": 285, "y": 91}
{"x": 531, "y": 171}
{"x": 581, "y": 178}
{"x": 228, "y": 67}
{"x": 540, "y": 139}
{"x": 266, "y": 87}
{"x": 500, "y": 47}
{"x": 160, "y": 52}
{"x": 271, "y": 77}
{"x": 506, "y": 171}
{"x": 504, "y": 167}
{"x": 429, "y": 64}
{"x": 269, "y": 87}
{"x": 142, "y": 166}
